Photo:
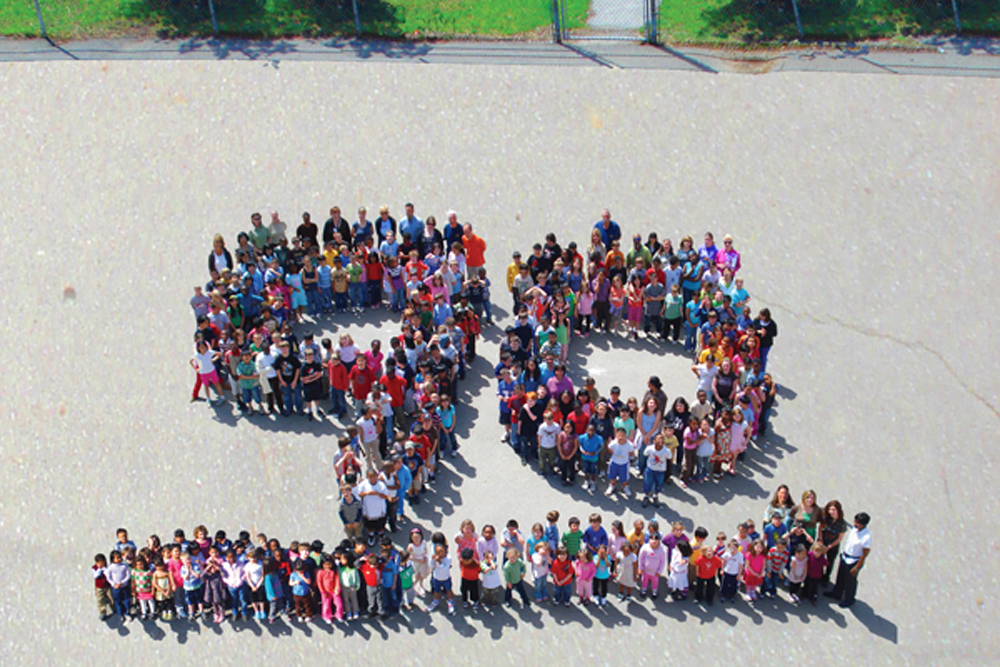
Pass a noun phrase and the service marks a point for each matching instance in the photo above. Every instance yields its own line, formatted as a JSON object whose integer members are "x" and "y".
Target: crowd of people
{"x": 258, "y": 579}
{"x": 404, "y": 400}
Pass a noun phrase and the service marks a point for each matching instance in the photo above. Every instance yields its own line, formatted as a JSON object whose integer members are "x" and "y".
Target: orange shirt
{"x": 475, "y": 250}
{"x": 470, "y": 570}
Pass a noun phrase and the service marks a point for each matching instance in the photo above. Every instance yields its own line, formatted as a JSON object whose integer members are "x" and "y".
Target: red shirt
{"x": 475, "y": 250}
{"x": 423, "y": 444}
{"x": 415, "y": 270}
{"x": 470, "y": 572}
{"x": 516, "y": 404}
{"x": 338, "y": 377}
{"x": 580, "y": 421}
{"x": 396, "y": 386}
{"x": 100, "y": 581}
{"x": 707, "y": 567}
{"x": 370, "y": 574}
{"x": 562, "y": 571}
{"x": 363, "y": 381}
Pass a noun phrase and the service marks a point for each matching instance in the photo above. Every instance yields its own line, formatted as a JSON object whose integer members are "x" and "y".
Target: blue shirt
{"x": 324, "y": 276}
{"x": 442, "y": 311}
{"x": 612, "y": 233}
{"x": 771, "y": 533}
{"x": 693, "y": 313}
{"x": 299, "y": 585}
{"x": 389, "y": 249}
{"x": 505, "y": 389}
{"x": 412, "y": 226}
{"x": 590, "y": 446}
{"x": 595, "y": 538}
{"x": 552, "y": 537}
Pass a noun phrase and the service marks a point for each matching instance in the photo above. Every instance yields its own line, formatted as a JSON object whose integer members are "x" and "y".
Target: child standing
{"x": 732, "y": 571}
{"x": 753, "y": 571}
{"x": 572, "y": 539}
{"x": 540, "y": 562}
{"x": 470, "y": 577}
{"x": 441, "y": 578}
{"x": 604, "y": 567}
{"x": 105, "y": 602}
{"x": 212, "y": 577}
{"x": 552, "y": 531}
{"x": 652, "y": 563}
{"x": 585, "y": 569}
{"x": 273, "y": 589}
{"x": 253, "y": 573}
{"x": 300, "y": 583}
{"x": 328, "y": 583}
{"x": 678, "y": 578}
{"x": 620, "y": 450}
{"x": 708, "y": 567}
{"x": 234, "y": 578}
{"x": 628, "y": 571}
{"x": 349, "y": 583}
{"x": 163, "y": 591}
{"x": 406, "y": 577}
{"x": 777, "y": 561}
{"x": 191, "y": 576}
{"x": 372, "y": 575}
{"x": 492, "y": 579}
{"x": 798, "y": 569}
{"x": 513, "y": 574}
{"x": 142, "y": 587}
{"x": 562, "y": 576}
{"x": 814, "y": 572}
{"x": 417, "y": 550}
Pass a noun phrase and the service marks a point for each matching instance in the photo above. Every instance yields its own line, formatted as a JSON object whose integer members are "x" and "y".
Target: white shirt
{"x": 854, "y": 545}
{"x": 373, "y": 506}
{"x": 205, "y": 363}
{"x": 620, "y": 452}
{"x": 539, "y": 566}
{"x": 491, "y": 578}
{"x": 731, "y": 562}
{"x": 442, "y": 570}
{"x": 384, "y": 403}
{"x": 547, "y": 435}
{"x": 705, "y": 377}
{"x": 656, "y": 460}
{"x": 265, "y": 365}
{"x": 368, "y": 430}
{"x": 707, "y": 445}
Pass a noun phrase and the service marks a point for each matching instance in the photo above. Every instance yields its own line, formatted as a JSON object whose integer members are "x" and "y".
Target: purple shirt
{"x": 602, "y": 291}
{"x": 557, "y": 387}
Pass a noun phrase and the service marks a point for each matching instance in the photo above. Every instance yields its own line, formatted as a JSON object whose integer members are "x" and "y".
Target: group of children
{"x": 261, "y": 580}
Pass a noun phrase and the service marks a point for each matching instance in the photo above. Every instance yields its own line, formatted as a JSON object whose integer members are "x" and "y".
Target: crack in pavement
{"x": 909, "y": 344}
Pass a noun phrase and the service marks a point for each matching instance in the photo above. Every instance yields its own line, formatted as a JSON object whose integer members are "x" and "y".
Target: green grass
{"x": 280, "y": 18}
{"x": 724, "y": 21}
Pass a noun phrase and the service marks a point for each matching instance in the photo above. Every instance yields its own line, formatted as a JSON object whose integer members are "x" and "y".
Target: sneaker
{"x": 451, "y": 609}
{"x": 628, "y": 492}
{"x": 454, "y": 453}
{"x": 475, "y": 606}
{"x": 654, "y": 595}
{"x": 682, "y": 484}
{"x": 610, "y": 491}
{"x": 645, "y": 501}
{"x": 567, "y": 603}
{"x": 432, "y": 606}
{"x": 793, "y": 597}
{"x": 465, "y": 604}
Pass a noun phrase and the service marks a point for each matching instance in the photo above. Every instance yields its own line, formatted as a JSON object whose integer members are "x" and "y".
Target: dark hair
{"x": 826, "y": 511}
{"x": 685, "y": 549}
{"x": 467, "y": 553}
{"x": 701, "y": 533}
{"x": 862, "y": 518}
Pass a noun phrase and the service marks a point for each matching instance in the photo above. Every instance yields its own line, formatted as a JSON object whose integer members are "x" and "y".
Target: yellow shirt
{"x": 330, "y": 256}
{"x": 695, "y": 551}
{"x": 636, "y": 539}
{"x": 512, "y": 271}
{"x": 717, "y": 354}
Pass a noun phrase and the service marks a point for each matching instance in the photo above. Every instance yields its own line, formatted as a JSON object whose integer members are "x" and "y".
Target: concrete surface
{"x": 864, "y": 207}
{"x": 940, "y": 56}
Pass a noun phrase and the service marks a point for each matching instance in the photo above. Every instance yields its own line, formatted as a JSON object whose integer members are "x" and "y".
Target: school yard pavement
{"x": 864, "y": 207}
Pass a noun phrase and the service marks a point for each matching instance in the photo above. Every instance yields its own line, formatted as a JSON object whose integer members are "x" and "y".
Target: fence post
{"x": 798, "y": 20}
{"x": 556, "y": 23}
{"x": 652, "y": 22}
{"x": 357, "y": 17}
{"x": 958, "y": 20}
{"x": 215, "y": 24}
{"x": 41, "y": 21}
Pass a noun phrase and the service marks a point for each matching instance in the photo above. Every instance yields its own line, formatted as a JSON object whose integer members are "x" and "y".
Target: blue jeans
{"x": 312, "y": 298}
{"x": 730, "y": 585}
{"x": 652, "y": 481}
{"x": 448, "y": 442}
{"x": 764, "y": 351}
{"x": 563, "y": 593}
{"x": 652, "y": 323}
{"x": 292, "y": 397}
{"x": 770, "y": 584}
{"x": 357, "y": 293}
{"x": 340, "y": 301}
{"x": 251, "y": 393}
{"x": 702, "y": 466}
{"x": 399, "y": 298}
{"x": 762, "y": 421}
{"x": 374, "y": 292}
{"x": 541, "y": 589}
{"x": 194, "y": 597}
{"x": 339, "y": 402}
{"x": 488, "y": 307}
{"x": 326, "y": 298}
{"x": 690, "y": 331}
{"x": 238, "y": 596}
{"x": 121, "y": 597}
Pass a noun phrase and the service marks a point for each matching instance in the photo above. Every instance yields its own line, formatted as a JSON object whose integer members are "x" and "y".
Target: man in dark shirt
{"x": 767, "y": 331}
{"x": 308, "y": 230}
{"x": 289, "y": 368}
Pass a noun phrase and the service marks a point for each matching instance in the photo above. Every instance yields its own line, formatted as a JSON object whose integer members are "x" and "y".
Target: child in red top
{"x": 470, "y": 577}
{"x": 562, "y": 576}
{"x": 105, "y": 605}
{"x": 340, "y": 383}
{"x": 708, "y": 567}
{"x": 814, "y": 571}
{"x": 372, "y": 575}
{"x": 373, "y": 272}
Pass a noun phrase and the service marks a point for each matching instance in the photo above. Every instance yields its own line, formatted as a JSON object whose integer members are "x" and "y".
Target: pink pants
{"x": 585, "y": 589}
{"x": 325, "y": 600}
{"x": 651, "y": 581}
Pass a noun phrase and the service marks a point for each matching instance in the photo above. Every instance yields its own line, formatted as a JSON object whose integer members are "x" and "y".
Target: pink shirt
{"x": 585, "y": 571}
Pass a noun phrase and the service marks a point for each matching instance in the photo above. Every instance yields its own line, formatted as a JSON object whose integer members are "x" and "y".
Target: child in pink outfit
{"x": 652, "y": 563}
{"x": 585, "y": 569}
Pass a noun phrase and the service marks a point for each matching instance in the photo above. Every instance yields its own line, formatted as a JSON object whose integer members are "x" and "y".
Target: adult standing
{"x": 654, "y": 390}
{"x": 767, "y": 331}
{"x": 781, "y": 502}
{"x": 475, "y": 251}
{"x": 375, "y": 498}
{"x": 289, "y": 370}
{"x": 609, "y": 229}
{"x": 728, "y": 257}
{"x": 336, "y": 224}
{"x": 832, "y": 529}
{"x": 452, "y": 231}
{"x": 384, "y": 224}
{"x": 853, "y": 555}
{"x": 677, "y": 417}
{"x": 308, "y": 230}
{"x": 362, "y": 229}
{"x": 411, "y": 224}
{"x": 219, "y": 258}
{"x": 809, "y": 513}
{"x": 430, "y": 237}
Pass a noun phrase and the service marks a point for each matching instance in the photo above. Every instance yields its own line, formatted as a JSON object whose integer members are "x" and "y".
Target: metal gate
{"x": 625, "y": 20}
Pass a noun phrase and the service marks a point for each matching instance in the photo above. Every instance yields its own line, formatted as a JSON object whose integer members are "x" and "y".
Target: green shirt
{"x": 513, "y": 571}
{"x": 406, "y": 577}
{"x": 260, "y": 236}
{"x": 247, "y": 368}
{"x": 354, "y": 272}
{"x": 643, "y": 251}
{"x": 572, "y": 540}
{"x": 672, "y": 306}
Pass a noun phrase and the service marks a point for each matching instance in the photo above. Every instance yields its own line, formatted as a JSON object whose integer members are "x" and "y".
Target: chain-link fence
{"x": 673, "y": 21}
